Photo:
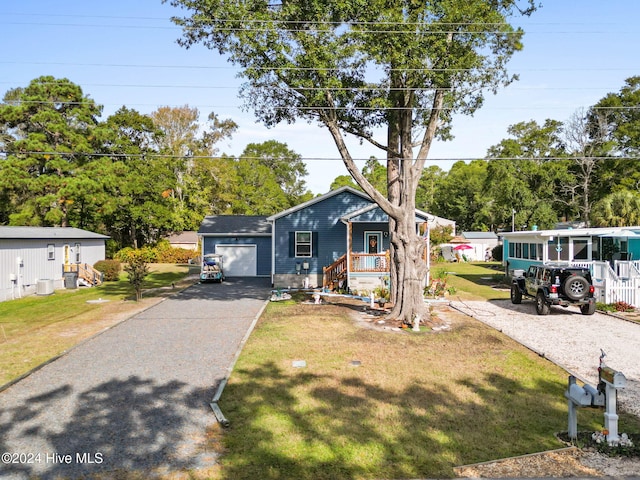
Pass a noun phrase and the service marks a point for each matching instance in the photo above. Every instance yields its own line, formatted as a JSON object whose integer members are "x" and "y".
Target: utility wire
{"x": 324, "y": 159}
{"x": 302, "y": 69}
{"x": 322, "y": 107}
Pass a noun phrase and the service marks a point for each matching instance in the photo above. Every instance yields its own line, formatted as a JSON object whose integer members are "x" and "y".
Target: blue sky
{"x": 124, "y": 53}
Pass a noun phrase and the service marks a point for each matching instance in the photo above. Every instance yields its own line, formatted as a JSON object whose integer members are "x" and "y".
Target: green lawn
{"x": 36, "y": 328}
{"x": 418, "y": 405}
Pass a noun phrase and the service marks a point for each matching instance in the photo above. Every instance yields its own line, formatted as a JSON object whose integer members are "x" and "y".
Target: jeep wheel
{"x": 588, "y": 308}
{"x": 542, "y": 307}
{"x": 576, "y": 287}
{"x": 516, "y": 294}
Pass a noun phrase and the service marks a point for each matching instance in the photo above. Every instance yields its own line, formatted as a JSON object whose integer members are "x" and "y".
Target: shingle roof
{"x": 235, "y": 225}
{"x": 183, "y": 237}
{"x": 68, "y": 233}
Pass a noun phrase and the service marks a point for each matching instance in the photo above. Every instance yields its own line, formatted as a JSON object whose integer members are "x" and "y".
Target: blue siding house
{"x": 244, "y": 241}
{"x": 336, "y": 240}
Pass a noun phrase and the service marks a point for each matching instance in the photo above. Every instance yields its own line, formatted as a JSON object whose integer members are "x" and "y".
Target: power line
{"x": 325, "y": 107}
{"x": 311, "y": 89}
{"x": 284, "y": 68}
{"x": 431, "y": 27}
{"x": 323, "y": 159}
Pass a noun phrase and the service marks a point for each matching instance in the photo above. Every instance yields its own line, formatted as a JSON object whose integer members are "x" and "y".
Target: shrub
{"x": 496, "y": 253}
{"x": 623, "y": 307}
{"x": 110, "y": 269}
{"x": 162, "y": 252}
{"x": 137, "y": 269}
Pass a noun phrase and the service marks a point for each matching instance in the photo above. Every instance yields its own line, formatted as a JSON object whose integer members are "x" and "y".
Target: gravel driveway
{"x": 570, "y": 340}
{"x": 135, "y": 397}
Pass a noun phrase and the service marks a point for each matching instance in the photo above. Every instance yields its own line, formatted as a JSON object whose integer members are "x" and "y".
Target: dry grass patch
{"x": 418, "y": 405}
{"x": 35, "y": 329}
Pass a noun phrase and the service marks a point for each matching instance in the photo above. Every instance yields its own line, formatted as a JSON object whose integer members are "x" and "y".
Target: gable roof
{"x": 235, "y": 225}
{"x": 373, "y": 213}
{"x": 48, "y": 233}
{"x": 189, "y": 236}
{"x": 318, "y": 199}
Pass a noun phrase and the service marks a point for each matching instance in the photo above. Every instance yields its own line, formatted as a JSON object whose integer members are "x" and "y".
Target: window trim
{"x": 300, "y": 244}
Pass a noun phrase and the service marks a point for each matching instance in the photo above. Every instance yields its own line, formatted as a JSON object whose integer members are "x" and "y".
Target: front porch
{"x": 356, "y": 271}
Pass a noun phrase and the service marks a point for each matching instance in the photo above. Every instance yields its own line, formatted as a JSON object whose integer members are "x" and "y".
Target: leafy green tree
{"x": 137, "y": 270}
{"x": 621, "y": 118}
{"x": 286, "y": 166}
{"x": 49, "y": 131}
{"x": 136, "y": 182}
{"x": 355, "y": 67}
{"x": 269, "y": 179}
{"x": 461, "y": 195}
{"x": 427, "y": 191}
{"x": 343, "y": 181}
{"x": 188, "y": 151}
{"x": 618, "y": 209}
{"x": 525, "y": 175}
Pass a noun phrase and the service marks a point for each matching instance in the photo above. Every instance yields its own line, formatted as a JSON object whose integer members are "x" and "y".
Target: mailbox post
{"x": 577, "y": 397}
{"x": 603, "y": 396}
{"x": 612, "y": 380}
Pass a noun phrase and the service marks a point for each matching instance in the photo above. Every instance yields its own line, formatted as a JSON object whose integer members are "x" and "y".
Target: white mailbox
{"x": 579, "y": 395}
{"x": 612, "y": 377}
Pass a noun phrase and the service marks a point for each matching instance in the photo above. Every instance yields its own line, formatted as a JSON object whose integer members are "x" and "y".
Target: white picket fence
{"x": 618, "y": 284}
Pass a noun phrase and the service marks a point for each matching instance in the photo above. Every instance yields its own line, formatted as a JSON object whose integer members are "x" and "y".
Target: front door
{"x": 373, "y": 242}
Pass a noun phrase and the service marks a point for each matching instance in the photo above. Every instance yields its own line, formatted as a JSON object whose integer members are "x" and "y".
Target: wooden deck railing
{"x": 85, "y": 271}
{"x": 334, "y": 272}
{"x": 370, "y": 262}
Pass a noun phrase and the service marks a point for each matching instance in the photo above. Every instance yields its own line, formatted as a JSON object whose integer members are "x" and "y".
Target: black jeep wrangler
{"x": 555, "y": 284}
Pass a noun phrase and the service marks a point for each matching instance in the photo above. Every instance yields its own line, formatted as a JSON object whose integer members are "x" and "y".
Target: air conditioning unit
{"x": 44, "y": 287}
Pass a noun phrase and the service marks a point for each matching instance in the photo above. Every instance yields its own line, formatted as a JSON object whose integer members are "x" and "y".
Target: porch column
{"x": 349, "y": 243}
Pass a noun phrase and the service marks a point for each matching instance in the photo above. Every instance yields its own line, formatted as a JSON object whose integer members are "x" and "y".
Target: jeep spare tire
{"x": 576, "y": 287}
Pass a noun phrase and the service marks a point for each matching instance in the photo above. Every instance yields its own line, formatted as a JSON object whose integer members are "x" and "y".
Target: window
{"x": 77, "y": 253}
{"x": 303, "y": 247}
{"x": 51, "y": 251}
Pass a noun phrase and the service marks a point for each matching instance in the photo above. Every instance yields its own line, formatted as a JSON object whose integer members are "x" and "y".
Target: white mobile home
{"x": 35, "y": 259}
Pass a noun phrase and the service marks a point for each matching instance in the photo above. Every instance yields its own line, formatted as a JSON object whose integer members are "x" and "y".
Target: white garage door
{"x": 239, "y": 260}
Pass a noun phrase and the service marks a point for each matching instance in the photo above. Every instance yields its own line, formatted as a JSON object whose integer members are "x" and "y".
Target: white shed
{"x": 32, "y": 259}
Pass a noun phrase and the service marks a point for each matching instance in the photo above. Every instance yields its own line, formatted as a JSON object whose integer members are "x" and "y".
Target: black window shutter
{"x": 314, "y": 244}
{"x": 292, "y": 244}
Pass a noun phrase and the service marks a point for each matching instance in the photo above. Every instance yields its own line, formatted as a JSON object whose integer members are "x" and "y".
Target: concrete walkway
{"x": 135, "y": 397}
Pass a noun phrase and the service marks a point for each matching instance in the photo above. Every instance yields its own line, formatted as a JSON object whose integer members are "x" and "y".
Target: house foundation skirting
{"x": 288, "y": 280}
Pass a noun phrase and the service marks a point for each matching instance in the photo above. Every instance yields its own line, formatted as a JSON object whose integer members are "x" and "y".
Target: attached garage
{"x": 239, "y": 260}
{"x": 244, "y": 241}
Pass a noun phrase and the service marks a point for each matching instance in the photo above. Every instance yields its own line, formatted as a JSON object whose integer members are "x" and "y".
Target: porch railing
{"x": 369, "y": 262}
{"x": 85, "y": 272}
{"x": 620, "y": 283}
{"x": 335, "y": 272}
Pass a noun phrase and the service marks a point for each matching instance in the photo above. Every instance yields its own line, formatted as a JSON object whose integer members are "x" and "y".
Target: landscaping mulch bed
{"x": 592, "y": 459}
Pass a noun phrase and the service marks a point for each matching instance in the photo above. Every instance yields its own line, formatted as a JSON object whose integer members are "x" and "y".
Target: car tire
{"x": 516, "y": 294}
{"x": 588, "y": 308}
{"x": 542, "y": 307}
{"x": 576, "y": 287}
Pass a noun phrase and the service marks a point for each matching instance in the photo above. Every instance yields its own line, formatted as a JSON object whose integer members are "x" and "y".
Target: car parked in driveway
{"x": 555, "y": 284}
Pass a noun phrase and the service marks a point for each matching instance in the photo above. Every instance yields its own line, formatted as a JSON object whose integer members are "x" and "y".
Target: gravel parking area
{"x": 136, "y": 397}
{"x": 570, "y": 339}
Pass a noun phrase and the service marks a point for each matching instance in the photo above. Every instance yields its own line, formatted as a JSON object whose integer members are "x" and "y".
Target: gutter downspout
{"x": 273, "y": 252}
